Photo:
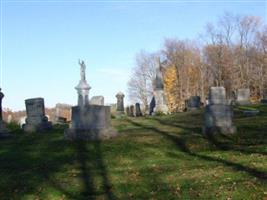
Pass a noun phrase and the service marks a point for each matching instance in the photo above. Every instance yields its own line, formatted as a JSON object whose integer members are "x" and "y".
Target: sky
{"x": 41, "y": 42}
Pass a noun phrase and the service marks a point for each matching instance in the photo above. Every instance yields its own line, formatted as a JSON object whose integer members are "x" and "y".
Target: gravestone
{"x": 120, "y": 103}
{"x": 217, "y": 96}
{"x": 218, "y": 114}
{"x": 128, "y": 111}
{"x": 193, "y": 103}
{"x": 131, "y": 113}
{"x": 97, "y": 100}
{"x": 264, "y": 99}
{"x": 63, "y": 113}
{"x": 243, "y": 96}
{"x": 89, "y": 122}
{"x": 160, "y": 99}
{"x": 4, "y": 132}
{"x": 36, "y": 120}
{"x": 152, "y": 105}
{"x": 138, "y": 112}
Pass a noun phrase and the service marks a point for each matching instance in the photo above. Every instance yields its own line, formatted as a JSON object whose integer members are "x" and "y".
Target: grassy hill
{"x": 163, "y": 157}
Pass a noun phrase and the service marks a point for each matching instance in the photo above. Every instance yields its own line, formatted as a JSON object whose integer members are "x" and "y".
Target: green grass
{"x": 162, "y": 157}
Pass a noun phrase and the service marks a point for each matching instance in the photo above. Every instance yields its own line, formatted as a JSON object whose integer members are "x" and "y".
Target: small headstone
{"x": 120, "y": 103}
{"x": 4, "y": 132}
{"x": 62, "y": 111}
{"x": 131, "y": 114}
{"x": 264, "y": 99}
{"x": 128, "y": 111}
{"x": 217, "y": 96}
{"x": 243, "y": 96}
{"x": 97, "y": 100}
{"x": 152, "y": 105}
{"x": 36, "y": 120}
{"x": 218, "y": 114}
{"x": 193, "y": 103}
{"x": 138, "y": 112}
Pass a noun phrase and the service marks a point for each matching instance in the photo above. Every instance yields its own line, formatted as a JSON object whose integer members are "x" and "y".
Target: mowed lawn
{"x": 162, "y": 157}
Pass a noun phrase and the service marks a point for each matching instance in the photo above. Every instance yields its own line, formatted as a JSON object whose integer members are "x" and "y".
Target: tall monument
{"x": 83, "y": 87}
{"x": 159, "y": 95}
{"x": 120, "y": 103}
{"x": 88, "y": 121}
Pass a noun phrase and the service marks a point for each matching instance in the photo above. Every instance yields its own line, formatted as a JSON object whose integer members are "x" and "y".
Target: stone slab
{"x": 97, "y": 100}
{"x": 217, "y": 95}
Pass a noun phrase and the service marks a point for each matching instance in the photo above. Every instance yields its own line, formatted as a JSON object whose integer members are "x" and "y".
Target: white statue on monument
{"x": 83, "y": 87}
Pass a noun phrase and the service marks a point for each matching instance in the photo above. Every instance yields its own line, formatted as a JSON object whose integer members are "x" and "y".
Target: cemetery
{"x": 99, "y": 157}
{"x": 186, "y": 120}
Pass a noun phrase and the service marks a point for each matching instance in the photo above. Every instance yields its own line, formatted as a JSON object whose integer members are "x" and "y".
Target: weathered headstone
{"x": 243, "y": 96}
{"x": 264, "y": 99}
{"x": 152, "y": 105}
{"x": 4, "y": 132}
{"x": 193, "y": 103}
{"x": 63, "y": 113}
{"x": 218, "y": 114}
{"x": 131, "y": 114}
{"x": 120, "y": 103}
{"x": 89, "y": 122}
{"x": 217, "y": 96}
{"x": 97, "y": 100}
{"x": 160, "y": 99}
{"x": 138, "y": 112}
{"x": 128, "y": 111}
{"x": 36, "y": 120}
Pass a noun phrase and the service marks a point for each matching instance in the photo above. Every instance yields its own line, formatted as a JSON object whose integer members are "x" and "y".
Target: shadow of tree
{"x": 180, "y": 143}
{"x": 30, "y": 162}
{"x": 228, "y": 144}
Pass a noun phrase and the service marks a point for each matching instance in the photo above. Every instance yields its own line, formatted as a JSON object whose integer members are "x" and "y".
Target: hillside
{"x": 162, "y": 157}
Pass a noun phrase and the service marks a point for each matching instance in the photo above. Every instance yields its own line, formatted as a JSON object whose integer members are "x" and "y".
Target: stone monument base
{"x": 90, "y": 122}
{"x": 30, "y": 128}
{"x": 160, "y": 106}
{"x": 4, "y": 131}
{"x": 218, "y": 118}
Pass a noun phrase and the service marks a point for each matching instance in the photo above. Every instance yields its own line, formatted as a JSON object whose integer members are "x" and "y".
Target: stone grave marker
{"x": 138, "y": 112}
{"x": 218, "y": 114}
{"x": 97, "y": 100}
{"x": 243, "y": 96}
{"x": 36, "y": 120}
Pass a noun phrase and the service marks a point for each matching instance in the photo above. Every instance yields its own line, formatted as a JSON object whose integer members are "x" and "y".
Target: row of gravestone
{"x": 134, "y": 111}
{"x": 242, "y": 98}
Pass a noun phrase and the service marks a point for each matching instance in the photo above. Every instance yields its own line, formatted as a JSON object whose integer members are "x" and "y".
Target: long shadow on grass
{"x": 90, "y": 163}
{"x": 28, "y": 164}
{"x": 228, "y": 145}
{"x": 181, "y": 145}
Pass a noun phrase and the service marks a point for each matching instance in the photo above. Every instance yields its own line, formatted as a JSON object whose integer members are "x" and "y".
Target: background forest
{"x": 231, "y": 53}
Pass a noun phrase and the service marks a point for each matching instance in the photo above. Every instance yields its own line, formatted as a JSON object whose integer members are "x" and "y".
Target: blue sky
{"x": 43, "y": 40}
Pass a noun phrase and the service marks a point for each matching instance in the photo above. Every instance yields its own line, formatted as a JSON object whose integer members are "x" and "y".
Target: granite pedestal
{"x": 90, "y": 122}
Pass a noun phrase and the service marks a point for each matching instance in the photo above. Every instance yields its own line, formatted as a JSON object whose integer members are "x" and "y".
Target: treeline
{"x": 231, "y": 53}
